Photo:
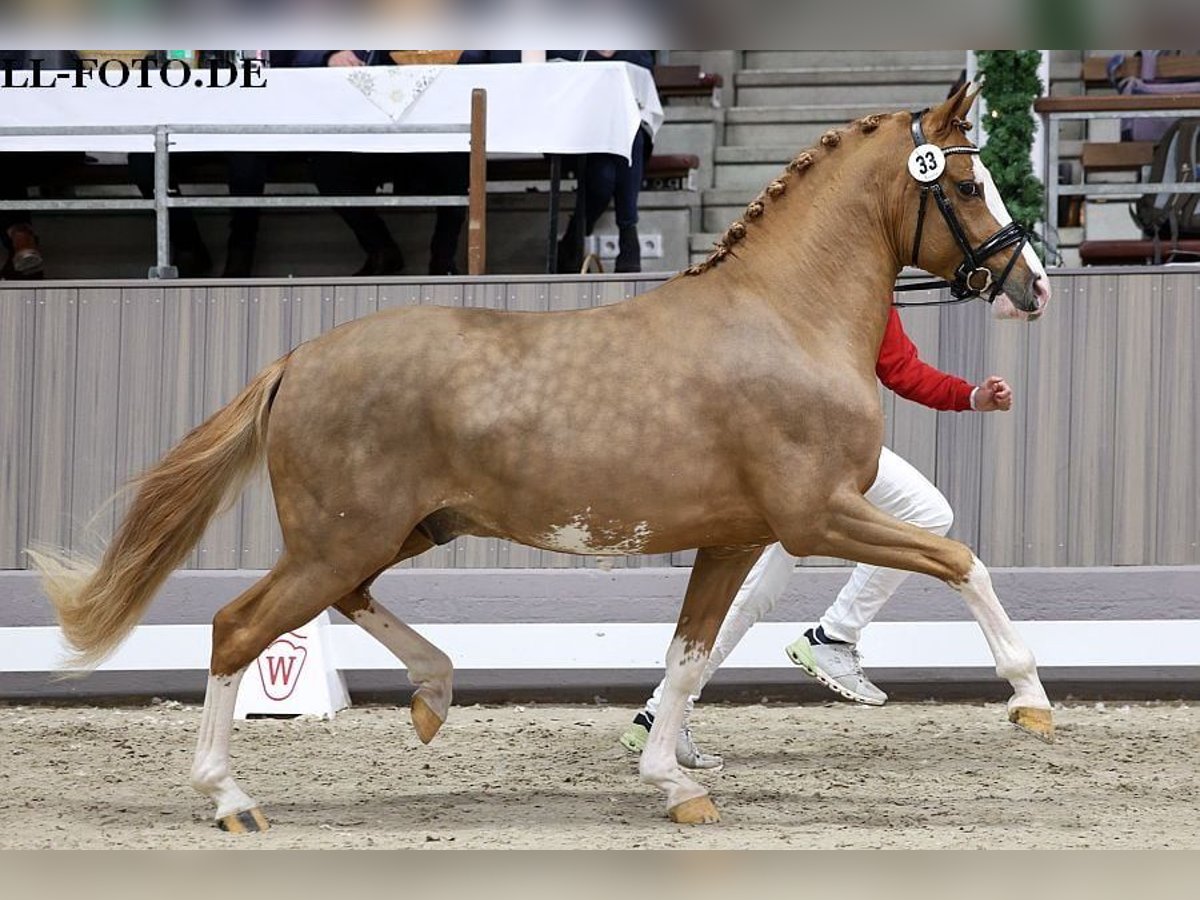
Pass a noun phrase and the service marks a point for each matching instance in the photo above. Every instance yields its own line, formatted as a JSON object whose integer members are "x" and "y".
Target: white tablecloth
{"x": 593, "y": 107}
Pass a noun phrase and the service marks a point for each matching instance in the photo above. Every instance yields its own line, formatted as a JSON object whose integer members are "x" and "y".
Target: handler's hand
{"x": 344, "y": 59}
{"x": 994, "y": 394}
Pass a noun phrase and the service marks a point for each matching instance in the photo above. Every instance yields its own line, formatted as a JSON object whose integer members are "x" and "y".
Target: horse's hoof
{"x": 1037, "y": 722}
{"x": 697, "y": 811}
{"x": 424, "y": 719}
{"x": 244, "y": 822}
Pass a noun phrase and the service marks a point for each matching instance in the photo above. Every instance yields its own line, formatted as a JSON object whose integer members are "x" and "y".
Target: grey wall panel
{"x": 1178, "y": 450}
{"x": 56, "y": 323}
{"x": 1090, "y": 420}
{"x": 1003, "y": 452}
{"x": 17, "y": 369}
{"x": 185, "y": 311}
{"x": 1096, "y": 465}
{"x": 225, "y": 374}
{"x": 1047, "y": 414}
{"x": 141, "y": 436}
{"x": 1137, "y": 389}
{"x": 97, "y": 399}
{"x": 268, "y": 338}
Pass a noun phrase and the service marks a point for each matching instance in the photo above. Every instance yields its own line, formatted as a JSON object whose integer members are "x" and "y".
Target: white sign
{"x": 294, "y": 676}
{"x": 927, "y": 163}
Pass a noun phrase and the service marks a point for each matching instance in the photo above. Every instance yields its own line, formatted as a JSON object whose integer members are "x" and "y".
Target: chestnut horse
{"x": 734, "y": 406}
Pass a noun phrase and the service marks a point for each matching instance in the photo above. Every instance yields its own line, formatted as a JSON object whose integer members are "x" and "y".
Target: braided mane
{"x": 757, "y": 207}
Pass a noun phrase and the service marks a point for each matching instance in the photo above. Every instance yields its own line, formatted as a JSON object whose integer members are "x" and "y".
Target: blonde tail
{"x": 97, "y": 606}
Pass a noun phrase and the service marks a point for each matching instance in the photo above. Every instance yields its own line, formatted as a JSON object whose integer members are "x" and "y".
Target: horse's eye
{"x": 969, "y": 188}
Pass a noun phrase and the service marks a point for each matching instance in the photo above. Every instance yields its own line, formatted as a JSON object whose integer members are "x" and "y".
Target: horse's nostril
{"x": 1041, "y": 290}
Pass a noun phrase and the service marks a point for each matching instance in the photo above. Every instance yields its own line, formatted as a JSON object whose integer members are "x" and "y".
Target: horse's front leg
{"x": 716, "y": 576}
{"x": 1029, "y": 707}
{"x": 854, "y": 529}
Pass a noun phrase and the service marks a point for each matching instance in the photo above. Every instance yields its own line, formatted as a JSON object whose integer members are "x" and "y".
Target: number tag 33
{"x": 927, "y": 163}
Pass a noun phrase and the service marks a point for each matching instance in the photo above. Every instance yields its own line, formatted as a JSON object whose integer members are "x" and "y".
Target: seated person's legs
{"x": 24, "y": 257}
{"x": 247, "y": 178}
{"x": 352, "y": 174}
{"x": 18, "y": 172}
{"x": 188, "y": 252}
{"x": 437, "y": 174}
{"x": 600, "y": 179}
{"x": 626, "y": 190}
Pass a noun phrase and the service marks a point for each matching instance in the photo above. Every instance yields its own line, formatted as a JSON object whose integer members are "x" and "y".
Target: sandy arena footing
{"x": 905, "y": 775}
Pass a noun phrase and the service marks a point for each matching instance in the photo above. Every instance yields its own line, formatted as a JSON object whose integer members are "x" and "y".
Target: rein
{"x": 971, "y": 278}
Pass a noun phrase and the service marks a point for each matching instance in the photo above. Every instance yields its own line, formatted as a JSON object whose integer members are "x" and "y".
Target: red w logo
{"x": 280, "y": 669}
{"x": 284, "y": 663}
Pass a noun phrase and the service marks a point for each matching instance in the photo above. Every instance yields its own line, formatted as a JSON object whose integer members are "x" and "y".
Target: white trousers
{"x": 899, "y": 490}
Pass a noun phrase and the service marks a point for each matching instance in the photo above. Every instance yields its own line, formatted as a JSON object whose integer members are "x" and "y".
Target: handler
{"x": 829, "y": 650}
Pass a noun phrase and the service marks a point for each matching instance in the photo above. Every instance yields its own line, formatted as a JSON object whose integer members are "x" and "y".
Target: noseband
{"x": 972, "y": 277}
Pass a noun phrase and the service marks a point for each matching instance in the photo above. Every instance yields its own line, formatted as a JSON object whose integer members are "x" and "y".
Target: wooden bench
{"x": 664, "y": 172}
{"x": 1129, "y": 156}
{"x": 1113, "y": 156}
{"x": 1137, "y": 252}
{"x": 1178, "y": 68}
{"x": 687, "y": 82}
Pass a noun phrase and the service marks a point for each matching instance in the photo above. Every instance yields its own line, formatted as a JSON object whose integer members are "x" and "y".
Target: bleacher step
{"x": 779, "y": 59}
{"x": 877, "y": 85}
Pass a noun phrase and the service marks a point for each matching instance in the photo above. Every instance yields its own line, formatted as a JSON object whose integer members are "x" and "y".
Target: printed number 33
{"x": 927, "y": 162}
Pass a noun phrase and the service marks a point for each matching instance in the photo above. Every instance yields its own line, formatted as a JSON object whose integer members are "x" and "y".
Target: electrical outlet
{"x": 652, "y": 245}
{"x": 609, "y": 245}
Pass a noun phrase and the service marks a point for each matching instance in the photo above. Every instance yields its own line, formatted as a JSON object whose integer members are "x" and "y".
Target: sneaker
{"x": 836, "y": 665}
{"x": 687, "y": 754}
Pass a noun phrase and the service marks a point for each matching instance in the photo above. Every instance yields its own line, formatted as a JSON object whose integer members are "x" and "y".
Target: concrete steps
{"x": 751, "y": 168}
{"x": 783, "y": 101}
{"x": 878, "y": 86}
{"x": 795, "y": 126}
{"x": 721, "y": 206}
{"x": 788, "y": 59}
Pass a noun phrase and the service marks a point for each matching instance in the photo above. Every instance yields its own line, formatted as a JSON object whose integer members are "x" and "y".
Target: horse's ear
{"x": 942, "y": 118}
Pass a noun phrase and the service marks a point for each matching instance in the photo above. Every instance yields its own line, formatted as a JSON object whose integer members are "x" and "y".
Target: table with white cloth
{"x": 556, "y": 108}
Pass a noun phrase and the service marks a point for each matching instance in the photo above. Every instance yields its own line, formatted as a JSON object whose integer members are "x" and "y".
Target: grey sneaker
{"x": 687, "y": 754}
{"x": 838, "y": 667}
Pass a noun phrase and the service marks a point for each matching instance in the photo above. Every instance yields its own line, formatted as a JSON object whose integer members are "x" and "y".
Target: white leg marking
{"x": 658, "y": 766}
{"x": 1014, "y": 660}
{"x": 210, "y": 768}
{"x": 767, "y": 581}
{"x": 428, "y": 667}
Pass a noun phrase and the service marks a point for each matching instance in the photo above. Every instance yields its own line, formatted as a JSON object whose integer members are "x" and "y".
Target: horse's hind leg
{"x": 716, "y": 576}
{"x": 428, "y": 667}
{"x": 857, "y": 530}
{"x": 288, "y": 596}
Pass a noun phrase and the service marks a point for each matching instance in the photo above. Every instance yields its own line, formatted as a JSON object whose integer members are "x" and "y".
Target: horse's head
{"x": 955, "y": 221}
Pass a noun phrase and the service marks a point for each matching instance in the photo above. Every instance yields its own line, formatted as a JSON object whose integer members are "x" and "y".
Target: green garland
{"x": 1010, "y": 86}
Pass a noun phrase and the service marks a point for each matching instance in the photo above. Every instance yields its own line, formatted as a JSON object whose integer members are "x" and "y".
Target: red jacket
{"x": 901, "y": 370}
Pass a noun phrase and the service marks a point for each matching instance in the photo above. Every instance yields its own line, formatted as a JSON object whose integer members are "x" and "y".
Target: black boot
{"x": 192, "y": 260}
{"x": 239, "y": 261}
{"x": 629, "y": 254}
{"x": 389, "y": 261}
{"x": 569, "y": 259}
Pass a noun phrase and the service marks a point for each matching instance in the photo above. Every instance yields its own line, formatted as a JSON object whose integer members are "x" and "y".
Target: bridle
{"x": 972, "y": 277}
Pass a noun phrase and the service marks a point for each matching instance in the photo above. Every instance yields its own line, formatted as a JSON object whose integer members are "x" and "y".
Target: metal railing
{"x": 162, "y": 202}
{"x": 1056, "y": 110}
